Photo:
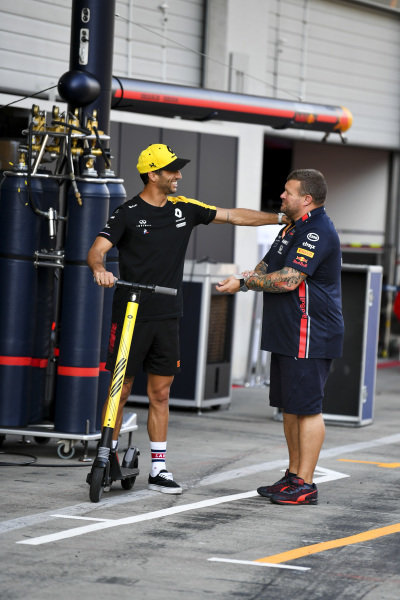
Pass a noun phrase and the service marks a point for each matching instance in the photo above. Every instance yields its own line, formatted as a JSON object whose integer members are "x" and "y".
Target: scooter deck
{"x": 118, "y": 472}
{"x": 127, "y": 472}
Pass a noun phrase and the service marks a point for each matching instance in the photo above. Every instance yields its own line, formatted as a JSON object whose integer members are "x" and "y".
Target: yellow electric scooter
{"x": 106, "y": 467}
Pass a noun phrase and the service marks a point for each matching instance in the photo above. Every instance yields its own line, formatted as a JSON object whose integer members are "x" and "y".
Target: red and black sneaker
{"x": 268, "y": 490}
{"x": 297, "y": 492}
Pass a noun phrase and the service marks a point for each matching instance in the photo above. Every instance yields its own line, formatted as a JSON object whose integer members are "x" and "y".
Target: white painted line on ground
{"x": 76, "y": 509}
{"x": 80, "y": 518}
{"x": 384, "y": 441}
{"x": 321, "y": 475}
{"x": 277, "y": 464}
{"x": 157, "y": 514}
{"x": 327, "y": 475}
{"x": 256, "y": 564}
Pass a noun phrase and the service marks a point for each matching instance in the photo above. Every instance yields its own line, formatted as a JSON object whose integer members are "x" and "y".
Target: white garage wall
{"x": 149, "y": 43}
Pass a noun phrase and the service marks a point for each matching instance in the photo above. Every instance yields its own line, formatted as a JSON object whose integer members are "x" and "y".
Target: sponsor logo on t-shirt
{"x": 143, "y": 225}
{"x": 180, "y": 218}
{"x": 313, "y": 237}
{"x": 300, "y": 260}
{"x": 306, "y": 252}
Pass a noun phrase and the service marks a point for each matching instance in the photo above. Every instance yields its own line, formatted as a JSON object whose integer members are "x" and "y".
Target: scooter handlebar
{"x": 157, "y": 289}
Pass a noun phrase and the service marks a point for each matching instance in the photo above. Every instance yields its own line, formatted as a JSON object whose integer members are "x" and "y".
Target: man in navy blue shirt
{"x": 302, "y": 326}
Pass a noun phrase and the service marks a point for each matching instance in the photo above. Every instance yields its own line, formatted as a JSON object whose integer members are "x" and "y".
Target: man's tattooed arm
{"x": 261, "y": 269}
{"x": 285, "y": 280}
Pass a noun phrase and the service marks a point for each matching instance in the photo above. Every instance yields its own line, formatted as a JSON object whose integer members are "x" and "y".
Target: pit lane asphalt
{"x": 218, "y": 539}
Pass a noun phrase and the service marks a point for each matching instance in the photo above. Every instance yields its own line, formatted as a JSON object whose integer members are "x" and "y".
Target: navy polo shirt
{"x": 306, "y": 322}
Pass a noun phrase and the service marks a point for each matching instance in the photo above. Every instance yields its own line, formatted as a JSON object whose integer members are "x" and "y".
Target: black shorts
{"x": 297, "y": 384}
{"x": 154, "y": 348}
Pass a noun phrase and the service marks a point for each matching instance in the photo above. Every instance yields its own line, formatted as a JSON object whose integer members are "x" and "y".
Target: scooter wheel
{"x": 96, "y": 484}
{"x": 128, "y": 483}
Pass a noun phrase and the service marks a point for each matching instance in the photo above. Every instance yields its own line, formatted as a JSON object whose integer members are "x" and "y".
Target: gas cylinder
{"x": 117, "y": 197}
{"x": 48, "y": 284}
{"x": 81, "y": 312}
{"x": 19, "y": 231}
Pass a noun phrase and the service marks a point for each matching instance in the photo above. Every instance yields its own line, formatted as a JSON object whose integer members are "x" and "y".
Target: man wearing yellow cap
{"x": 152, "y": 232}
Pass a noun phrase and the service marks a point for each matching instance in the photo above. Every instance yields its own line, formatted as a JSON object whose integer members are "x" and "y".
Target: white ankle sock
{"x": 158, "y": 452}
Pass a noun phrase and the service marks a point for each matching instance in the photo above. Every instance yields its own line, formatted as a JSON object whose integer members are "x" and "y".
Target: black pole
{"x": 91, "y": 51}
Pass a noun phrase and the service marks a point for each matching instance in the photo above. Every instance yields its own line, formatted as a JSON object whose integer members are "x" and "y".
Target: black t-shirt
{"x": 152, "y": 242}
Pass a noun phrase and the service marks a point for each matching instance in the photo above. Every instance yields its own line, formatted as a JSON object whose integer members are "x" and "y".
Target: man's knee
{"x": 158, "y": 388}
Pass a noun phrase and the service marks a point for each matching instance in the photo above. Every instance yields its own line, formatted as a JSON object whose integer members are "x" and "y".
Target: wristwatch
{"x": 280, "y": 217}
{"x": 243, "y": 287}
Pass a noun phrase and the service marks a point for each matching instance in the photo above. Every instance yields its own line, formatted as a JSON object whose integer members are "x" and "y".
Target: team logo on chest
{"x": 143, "y": 225}
{"x": 180, "y": 219}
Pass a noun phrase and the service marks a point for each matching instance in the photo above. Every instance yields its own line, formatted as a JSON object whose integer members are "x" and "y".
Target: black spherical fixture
{"x": 78, "y": 88}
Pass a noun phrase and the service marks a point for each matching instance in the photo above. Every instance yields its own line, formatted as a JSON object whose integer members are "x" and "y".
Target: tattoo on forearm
{"x": 261, "y": 268}
{"x": 278, "y": 282}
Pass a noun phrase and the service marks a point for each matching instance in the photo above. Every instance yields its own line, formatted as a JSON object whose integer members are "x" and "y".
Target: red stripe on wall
{"x": 245, "y": 108}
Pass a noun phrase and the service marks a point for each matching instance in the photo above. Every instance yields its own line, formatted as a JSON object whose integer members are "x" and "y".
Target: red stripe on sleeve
{"x": 303, "y": 321}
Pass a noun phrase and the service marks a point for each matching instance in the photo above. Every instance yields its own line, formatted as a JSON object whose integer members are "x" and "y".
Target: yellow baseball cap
{"x": 159, "y": 156}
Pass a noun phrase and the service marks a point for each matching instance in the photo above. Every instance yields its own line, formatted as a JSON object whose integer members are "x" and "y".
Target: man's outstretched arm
{"x": 247, "y": 216}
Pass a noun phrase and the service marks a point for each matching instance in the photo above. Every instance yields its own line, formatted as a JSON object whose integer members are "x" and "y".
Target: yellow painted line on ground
{"x": 371, "y": 462}
{"x": 321, "y": 547}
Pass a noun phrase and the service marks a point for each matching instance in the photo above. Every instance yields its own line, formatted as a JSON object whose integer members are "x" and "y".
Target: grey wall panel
{"x": 34, "y": 44}
{"x": 185, "y": 144}
{"x": 358, "y": 180}
{"x": 217, "y": 186}
{"x": 153, "y": 45}
{"x": 134, "y": 139}
{"x": 35, "y": 38}
{"x": 340, "y": 53}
